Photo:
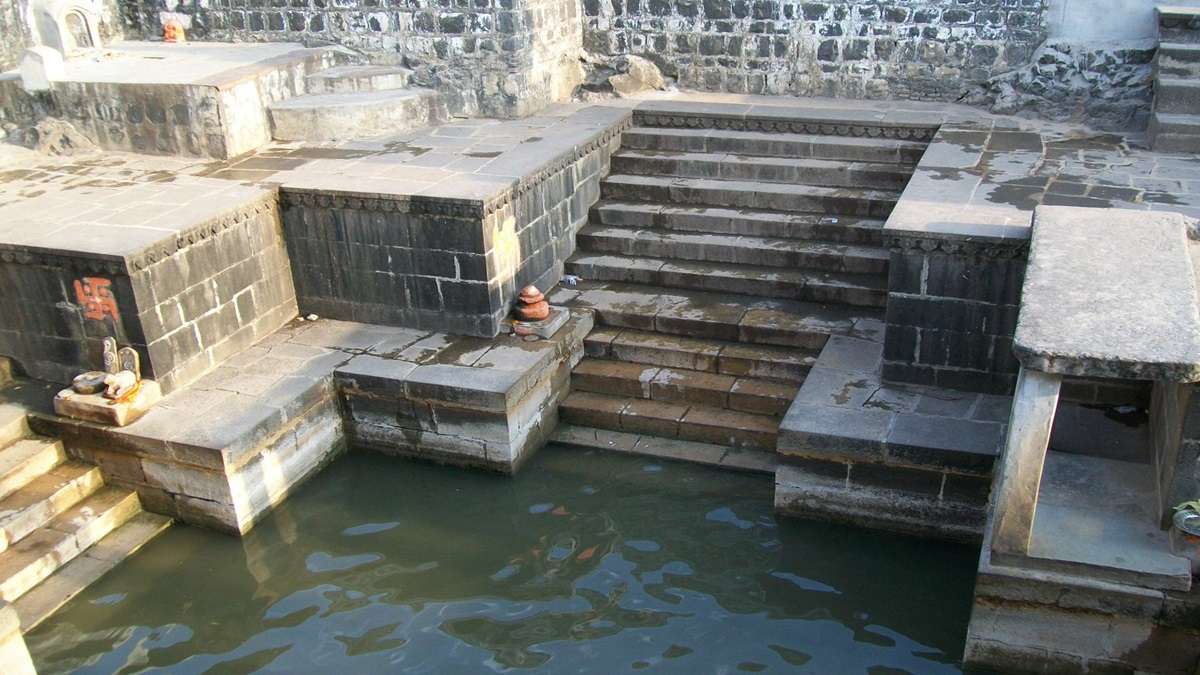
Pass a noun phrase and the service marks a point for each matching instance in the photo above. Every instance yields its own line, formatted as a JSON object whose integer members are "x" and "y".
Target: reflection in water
{"x": 585, "y": 563}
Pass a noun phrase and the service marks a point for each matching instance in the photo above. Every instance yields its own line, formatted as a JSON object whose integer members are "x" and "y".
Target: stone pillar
{"x": 952, "y": 310}
{"x": 1015, "y": 488}
{"x": 14, "y": 655}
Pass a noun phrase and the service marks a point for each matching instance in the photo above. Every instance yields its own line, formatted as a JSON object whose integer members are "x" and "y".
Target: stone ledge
{"x": 1127, "y": 309}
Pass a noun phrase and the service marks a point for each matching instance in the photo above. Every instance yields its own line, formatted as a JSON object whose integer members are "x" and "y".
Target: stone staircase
{"x": 355, "y": 101}
{"x": 1175, "y": 124}
{"x": 718, "y": 262}
{"x": 61, "y": 527}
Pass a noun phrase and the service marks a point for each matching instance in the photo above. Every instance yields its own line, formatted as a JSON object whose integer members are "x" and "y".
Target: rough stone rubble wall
{"x": 846, "y": 48}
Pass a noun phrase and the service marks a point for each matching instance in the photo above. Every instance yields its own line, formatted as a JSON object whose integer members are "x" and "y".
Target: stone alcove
{"x": 67, "y": 26}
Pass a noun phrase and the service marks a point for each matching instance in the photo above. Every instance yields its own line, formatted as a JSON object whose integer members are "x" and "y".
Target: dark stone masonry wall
{"x": 485, "y": 56}
{"x": 849, "y": 48}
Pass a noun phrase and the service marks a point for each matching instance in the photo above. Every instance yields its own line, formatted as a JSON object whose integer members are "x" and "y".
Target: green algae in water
{"x": 584, "y": 563}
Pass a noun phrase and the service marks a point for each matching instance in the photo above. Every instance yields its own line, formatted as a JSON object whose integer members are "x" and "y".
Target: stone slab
{"x": 1096, "y": 518}
{"x": 1110, "y": 293}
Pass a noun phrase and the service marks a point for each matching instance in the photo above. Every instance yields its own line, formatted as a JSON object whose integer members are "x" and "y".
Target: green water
{"x": 585, "y": 563}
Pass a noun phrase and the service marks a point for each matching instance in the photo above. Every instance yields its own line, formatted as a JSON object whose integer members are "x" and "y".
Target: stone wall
{"x": 15, "y": 32}
{"x": 847, "y": 48}
{"x": 487, "y": 57}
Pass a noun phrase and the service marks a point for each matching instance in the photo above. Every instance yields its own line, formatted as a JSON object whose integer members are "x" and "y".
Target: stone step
{"x": 747, "y": 222}
{"x": 25, "y": 460}
{"x": 718, "y": 316}
{"x": 683, "y": 386}
{"x": 863, "y": 290}
{"x": 769, "y": 144}
{"x": 331, "y": 117}
{"x": 45, "y": 550}
{"x": 349, "y": 79}
{"x": 734, "y": 249}
{"x": 719, "y": 456}
{"x": 736, "y": 359}
{"x": 45, "y": 497}
{"x": 750, "y": 194}
{"x": 1176, "y": 59}
{"x": 44, "y": 599}
{"x": 1174, "y": 133}
{"x": 829, "y": 173}
{"x": 699, "y": 423}
{"x": 1178, "y": 23}
{"x": 14, "y": 423}
{"x": 1176, "y": 95}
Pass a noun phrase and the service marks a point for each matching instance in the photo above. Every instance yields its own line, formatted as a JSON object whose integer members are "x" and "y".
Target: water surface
{"x": 584, "y": 563}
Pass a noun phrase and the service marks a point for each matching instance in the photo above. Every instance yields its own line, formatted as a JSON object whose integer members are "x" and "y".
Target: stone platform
{"x": 193, "y": 99}
{"x": 221, "y": 452}
{"x": 187, "y": 270}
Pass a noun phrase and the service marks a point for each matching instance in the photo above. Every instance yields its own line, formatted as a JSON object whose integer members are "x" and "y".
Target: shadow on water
{"x": 585, "y": 563}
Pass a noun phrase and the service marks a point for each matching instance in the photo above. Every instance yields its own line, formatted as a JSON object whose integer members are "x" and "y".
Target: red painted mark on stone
{"x": 95, "y": 295}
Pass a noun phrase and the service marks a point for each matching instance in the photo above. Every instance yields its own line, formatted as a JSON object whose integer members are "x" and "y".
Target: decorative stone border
{"x": 679, "y": 120}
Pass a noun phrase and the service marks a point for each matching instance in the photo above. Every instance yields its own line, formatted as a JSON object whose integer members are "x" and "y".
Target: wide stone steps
{"x": 771, "y": 144}
{"x": 349, "y": 79}
{"x": 37, "y": 604}
{"x": 38, "y": 555}
{"x": 688, "y": 422}
{"x": 743, "y": 222}
{"x": 1179, "y": 24}
{"x": 1176, "y": 59}
{"x": 1177, "y": 95}
{"x": 718, "y": 316}
{"x": 750, "y": 194}
{"x": 54, "y": 512}
{"x": 362, "y": 114}
{"x": 44, "y": 498}
{"x": 734, "y": 249}
{"x": 741, "y": 167}
{"x": 683, "y": 386}
{"x": 763, "y": 281}
{"x": 735, "y": 359}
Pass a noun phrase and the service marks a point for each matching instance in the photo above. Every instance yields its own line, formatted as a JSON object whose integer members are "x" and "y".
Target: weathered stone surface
{"x": 97, "y": 408}
{"x": 14, "y": 655}
{"x": 1126, "y": 309}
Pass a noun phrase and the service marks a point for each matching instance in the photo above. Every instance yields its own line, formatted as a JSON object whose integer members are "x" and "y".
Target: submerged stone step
{"x": 44, "y": 599}
{"x": 329, "y": 117}
{"x": 734, "y": 249}
{"x": 25, "y": 460}
{"x": 771, "y": 144}
{"x": 48, "y": 548}
{"x": 683, "y": 386}
{"x": 1177, "y": 95}
{"x": 736, "y": 459}
{"x": 45, "y": 497}
{"x": 689, "y": 422}
{"x": 348, "y": 79}
{"x": 753, "y": 362}
{"x": 747, "y": 222}
{"x": 862, "y": 290}
{"x": 727, "y": 166}
{"x": 1174, "y": 133}
{"x": 719, "y": 316}
{"x": 750, "y": 194}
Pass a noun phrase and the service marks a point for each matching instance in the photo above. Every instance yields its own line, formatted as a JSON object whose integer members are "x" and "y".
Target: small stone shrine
{"x": 115, "y": 396}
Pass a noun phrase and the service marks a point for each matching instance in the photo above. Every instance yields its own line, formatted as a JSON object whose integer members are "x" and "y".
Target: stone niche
{"x": 70, "y": 27}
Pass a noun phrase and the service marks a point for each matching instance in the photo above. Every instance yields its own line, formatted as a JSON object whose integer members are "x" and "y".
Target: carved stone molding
{"x": 984, "y": 248}
{"x": 797, "y": 126}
